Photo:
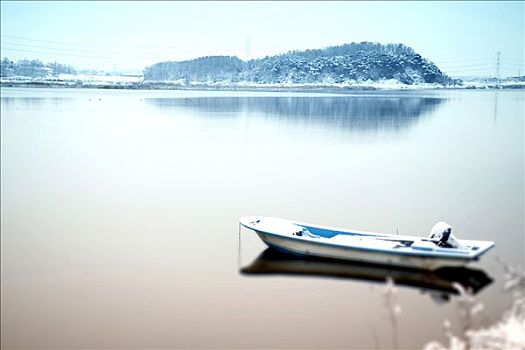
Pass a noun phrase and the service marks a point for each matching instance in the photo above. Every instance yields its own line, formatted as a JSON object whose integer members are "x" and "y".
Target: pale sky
{"x": 462, "y": 38}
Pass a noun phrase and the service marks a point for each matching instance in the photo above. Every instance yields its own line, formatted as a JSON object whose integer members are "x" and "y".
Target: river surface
{"x": 120, "y": 213}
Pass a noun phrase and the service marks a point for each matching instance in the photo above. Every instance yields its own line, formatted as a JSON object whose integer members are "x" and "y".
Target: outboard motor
{"x": 441, "y": 234}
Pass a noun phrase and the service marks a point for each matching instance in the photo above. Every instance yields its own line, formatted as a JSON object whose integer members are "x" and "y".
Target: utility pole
{"x": 247, "y": 48}
{"x": 498, "y": 60}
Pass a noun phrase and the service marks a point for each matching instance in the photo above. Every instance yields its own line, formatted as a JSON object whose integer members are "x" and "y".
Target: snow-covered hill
{"x": 346, "y": 64}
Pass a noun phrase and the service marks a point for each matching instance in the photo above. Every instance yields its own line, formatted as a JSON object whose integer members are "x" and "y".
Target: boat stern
{"x": 482, "y": 248}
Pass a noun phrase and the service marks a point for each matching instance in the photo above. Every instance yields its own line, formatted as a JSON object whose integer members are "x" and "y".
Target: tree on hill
{"x": 32, "y": 68}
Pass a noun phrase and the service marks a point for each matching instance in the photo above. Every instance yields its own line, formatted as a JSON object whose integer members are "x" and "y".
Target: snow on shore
{"x": 100, "y": 78}
{"x": 505, "y": 334}
{"x": 73, "y": 79}
{"x": 137, "y": 82}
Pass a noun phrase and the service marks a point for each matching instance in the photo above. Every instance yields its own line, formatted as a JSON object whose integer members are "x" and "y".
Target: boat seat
{"x": 364, "y": 242}
{"x": 423, "y": 245}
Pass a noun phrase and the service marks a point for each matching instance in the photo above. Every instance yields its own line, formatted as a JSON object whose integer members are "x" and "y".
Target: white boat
{"x": 382, "y": 248}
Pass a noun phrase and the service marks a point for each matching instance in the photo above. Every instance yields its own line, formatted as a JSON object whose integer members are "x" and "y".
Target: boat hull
{"x": 308, "y": 248}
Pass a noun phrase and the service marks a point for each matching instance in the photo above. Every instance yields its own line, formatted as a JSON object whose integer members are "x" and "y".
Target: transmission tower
{"x": 498, "y": 59}
{"x": 247, "y": 48}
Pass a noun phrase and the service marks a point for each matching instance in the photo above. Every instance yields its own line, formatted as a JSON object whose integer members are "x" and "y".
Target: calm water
{"x": 120, "y": 209}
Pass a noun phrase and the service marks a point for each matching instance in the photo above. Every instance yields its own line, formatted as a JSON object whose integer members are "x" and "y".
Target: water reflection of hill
{"x": 25, "y": 102}
{"x": 370, "y": 112}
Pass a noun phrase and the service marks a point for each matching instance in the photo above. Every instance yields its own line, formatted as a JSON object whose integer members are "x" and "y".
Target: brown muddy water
{"x": 120, "y": 213}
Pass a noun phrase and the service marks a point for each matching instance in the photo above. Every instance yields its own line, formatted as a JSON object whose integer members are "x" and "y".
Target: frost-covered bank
{"x": 507, "y": 333}
{"x": 134, "y": 83}
{"x": 137, "y": 83}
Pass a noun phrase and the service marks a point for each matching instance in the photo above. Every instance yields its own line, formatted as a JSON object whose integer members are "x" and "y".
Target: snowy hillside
{"x": 345, "y": 64}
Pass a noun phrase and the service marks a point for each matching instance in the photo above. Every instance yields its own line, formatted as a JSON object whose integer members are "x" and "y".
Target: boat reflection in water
{"x": 439, "y": 283}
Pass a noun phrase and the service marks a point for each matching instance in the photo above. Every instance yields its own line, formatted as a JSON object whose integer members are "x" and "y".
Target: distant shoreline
{"x": 252, "y": 87}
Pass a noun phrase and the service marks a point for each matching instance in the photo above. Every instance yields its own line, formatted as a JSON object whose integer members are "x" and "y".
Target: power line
{"x": 480, "y": 69}
{"x": 512, "y": 64}
{"x": 465, "y": 60}
{"x": 469, "y": 66}
{"x": 448, "y": 70}
{"x": 112, "y": 46}
{"x": 56, "y": 54}
{"x": 469, "y": 71}
{"x": 123, "y": 56}
{"x": 102, "y": 52}
{"x": 480, "y": 62}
